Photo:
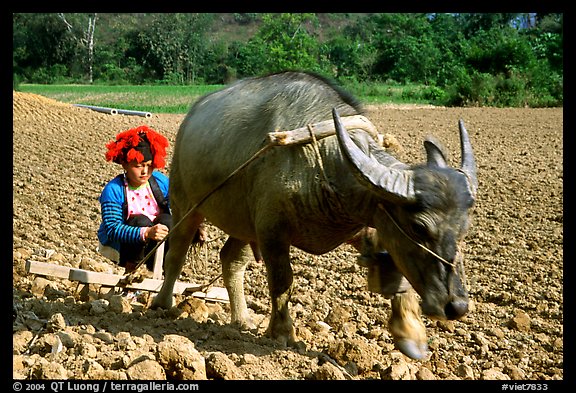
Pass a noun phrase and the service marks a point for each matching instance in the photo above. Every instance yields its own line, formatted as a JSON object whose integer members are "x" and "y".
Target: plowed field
{"x": 514, "y": 261}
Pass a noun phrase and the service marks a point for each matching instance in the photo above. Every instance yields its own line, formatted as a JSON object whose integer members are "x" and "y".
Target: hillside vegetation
{"x": 461, "y": 59}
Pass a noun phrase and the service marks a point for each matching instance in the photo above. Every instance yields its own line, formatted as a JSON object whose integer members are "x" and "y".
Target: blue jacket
{"x": 113, "y": 231}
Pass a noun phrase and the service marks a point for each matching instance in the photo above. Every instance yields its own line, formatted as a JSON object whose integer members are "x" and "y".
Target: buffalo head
{"x": 422, "y": 216}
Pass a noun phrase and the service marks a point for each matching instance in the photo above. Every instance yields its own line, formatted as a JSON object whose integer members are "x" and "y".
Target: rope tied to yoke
{"x": 131, "y": 276}
{"x": 327, "y": 188}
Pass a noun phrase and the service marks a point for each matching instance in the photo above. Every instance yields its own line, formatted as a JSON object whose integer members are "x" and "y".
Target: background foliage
{"x": 457, "y": 59}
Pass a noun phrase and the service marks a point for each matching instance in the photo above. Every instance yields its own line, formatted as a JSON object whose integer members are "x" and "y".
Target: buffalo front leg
{"x": 280, "y": 278}
{"x": 180, "y": 239}
{"x": 406, "y": 325}
{"x": 234, "y": 257}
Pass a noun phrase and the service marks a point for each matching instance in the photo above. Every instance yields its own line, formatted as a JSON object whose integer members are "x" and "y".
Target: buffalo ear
{"x": 435, "y": 152}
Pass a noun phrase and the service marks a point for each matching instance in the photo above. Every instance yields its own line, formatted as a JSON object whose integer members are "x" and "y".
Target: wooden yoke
{"x": 322, "y": 130}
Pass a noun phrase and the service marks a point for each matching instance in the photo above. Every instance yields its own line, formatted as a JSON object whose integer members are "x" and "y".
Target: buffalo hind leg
{"x": 234, "y": 256}
{"x": 406, "y": 325}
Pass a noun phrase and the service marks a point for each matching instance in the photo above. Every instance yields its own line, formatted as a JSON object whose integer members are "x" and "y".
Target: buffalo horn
{"x": 392, "y": 182}
{"x": 468, "y": 164}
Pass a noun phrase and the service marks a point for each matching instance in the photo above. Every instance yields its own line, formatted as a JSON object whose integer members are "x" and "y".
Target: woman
{"x": 134, "y": 205}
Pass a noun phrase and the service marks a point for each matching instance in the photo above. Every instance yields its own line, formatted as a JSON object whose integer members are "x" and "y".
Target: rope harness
{"x": 459, "y": 255}
{"x": 381, "y": 207}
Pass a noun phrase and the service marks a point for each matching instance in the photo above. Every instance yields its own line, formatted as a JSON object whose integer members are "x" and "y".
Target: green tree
{"x": 41, "y": 45}
{"x": 407, "y": 50}
{"x": 350, "y": 57}
{"x": 448, "y": 38}
{"x": 82, "y": 28}
{"x": 172, "y": 46}
{"x": 471, "y": 24}
{"x": 249, "y": 58}
{"x": 285, "y": 42}
{"x": 499, "y": 50}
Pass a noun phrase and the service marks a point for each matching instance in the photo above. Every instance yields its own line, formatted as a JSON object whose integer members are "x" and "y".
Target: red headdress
{"x": 140, "y": 144}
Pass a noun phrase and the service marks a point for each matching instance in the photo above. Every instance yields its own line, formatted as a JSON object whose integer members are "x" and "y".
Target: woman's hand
{"x": 156, "y": 232}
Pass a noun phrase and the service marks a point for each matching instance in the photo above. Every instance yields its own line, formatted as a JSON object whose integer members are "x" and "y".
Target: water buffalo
{"x": 316, "y": 197}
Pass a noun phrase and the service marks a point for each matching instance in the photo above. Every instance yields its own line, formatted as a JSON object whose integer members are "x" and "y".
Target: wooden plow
{"x": 110, "y": 280}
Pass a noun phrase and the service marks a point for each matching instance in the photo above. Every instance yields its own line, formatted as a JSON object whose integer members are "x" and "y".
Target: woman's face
{"x": 138, "y": 173}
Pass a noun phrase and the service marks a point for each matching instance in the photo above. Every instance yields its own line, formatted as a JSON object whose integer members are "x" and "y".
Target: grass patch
{"x": 391, "y": 93}
{"x": 178, "y": 99}
{"x": 155, "y": 99}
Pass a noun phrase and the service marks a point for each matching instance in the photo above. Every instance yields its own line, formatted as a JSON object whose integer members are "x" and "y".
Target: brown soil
{"x": 514, "y": 265}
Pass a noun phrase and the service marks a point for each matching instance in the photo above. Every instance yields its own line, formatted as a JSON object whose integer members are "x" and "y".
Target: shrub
{"x": 47, "y": 75}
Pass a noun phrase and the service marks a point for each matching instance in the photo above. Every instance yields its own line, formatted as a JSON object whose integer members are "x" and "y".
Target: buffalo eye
{"x": 424, "y": 227}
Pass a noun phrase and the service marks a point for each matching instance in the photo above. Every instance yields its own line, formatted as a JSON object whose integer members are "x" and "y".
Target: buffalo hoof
{"x": 291, "y": 342}
{"x": 162, "y": 302}
{"x": 285, "y": 338}
{"x": 412, "y": 349}
{"x": 246, "y": 324}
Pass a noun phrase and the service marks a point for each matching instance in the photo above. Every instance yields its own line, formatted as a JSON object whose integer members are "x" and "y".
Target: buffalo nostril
{"x": 456, "y": 309}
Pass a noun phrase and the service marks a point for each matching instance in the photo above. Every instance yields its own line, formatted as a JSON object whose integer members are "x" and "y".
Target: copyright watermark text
{"x": 103, "y": 386}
